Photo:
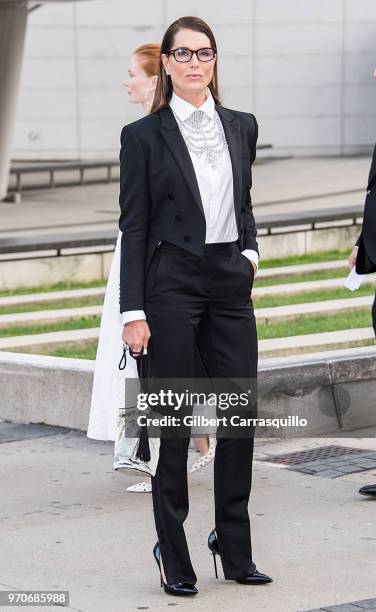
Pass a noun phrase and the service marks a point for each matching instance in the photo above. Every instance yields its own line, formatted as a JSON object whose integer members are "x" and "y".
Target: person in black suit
{"x": 363, "y": 255}
{"x": 188, "y": 258}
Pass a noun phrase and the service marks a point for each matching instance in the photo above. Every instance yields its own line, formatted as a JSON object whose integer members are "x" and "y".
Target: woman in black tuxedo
{"x": 188, "y": 259}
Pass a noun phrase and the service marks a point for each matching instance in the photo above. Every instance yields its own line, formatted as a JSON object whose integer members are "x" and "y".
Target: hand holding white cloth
{"x": 353, "y": 280}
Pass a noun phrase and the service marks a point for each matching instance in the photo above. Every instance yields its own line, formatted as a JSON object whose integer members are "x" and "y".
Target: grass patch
{"x": 294, "y": 260}
{"x": 62, "y": 286}
{"x": 38, "y": 306}
{"x": 81, "y": 323}
{"x": 301, "y": 278}
{"x": 314, "y": 325}
{"x": 88, "y": 352}
{"x": 270, "y": 301}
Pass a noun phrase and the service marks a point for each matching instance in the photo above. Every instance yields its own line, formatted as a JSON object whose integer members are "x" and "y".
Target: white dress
{"x": 109, "y": 382}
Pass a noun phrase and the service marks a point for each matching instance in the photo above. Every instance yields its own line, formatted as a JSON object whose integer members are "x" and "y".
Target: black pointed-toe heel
{"x": 368, "y": 490}
{"x": 250, "y": 578}
{"x": 213, "y": 547}
{"x": 176, "y": 588}
{"x": 255, "y": 578}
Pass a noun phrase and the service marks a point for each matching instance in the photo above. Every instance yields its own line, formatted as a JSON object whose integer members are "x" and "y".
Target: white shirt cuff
{"x": 252, "y": 256}
{"x": 132, "y": 315}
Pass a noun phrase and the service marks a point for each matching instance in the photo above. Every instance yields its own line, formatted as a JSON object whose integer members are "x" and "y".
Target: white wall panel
{"x": 304, "y": 68}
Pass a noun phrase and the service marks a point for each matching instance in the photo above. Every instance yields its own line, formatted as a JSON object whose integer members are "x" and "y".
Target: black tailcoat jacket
{"x": 160, "y": 198}
{"x": 366, "y": 258}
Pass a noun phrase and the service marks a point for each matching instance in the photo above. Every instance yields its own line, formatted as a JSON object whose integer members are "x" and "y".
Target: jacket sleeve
{"x": 250, "y": 231}
{"x": 134, "y": 201}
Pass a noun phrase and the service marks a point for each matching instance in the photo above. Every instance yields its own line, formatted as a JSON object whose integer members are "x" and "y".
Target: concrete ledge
{"x": 44, "y": 389}
{"x": 86, "y": 267}
{"x": 49, "y": 270}
{"x": 333, "y": 391}
{"x": 306, "y": 343}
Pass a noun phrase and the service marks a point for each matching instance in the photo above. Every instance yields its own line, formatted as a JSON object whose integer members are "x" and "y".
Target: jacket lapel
{"x": 176, "y": 143}
{"x": 231, "y": 128}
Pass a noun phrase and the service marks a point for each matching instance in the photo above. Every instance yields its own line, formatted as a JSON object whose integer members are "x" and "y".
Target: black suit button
{"x": 186, "y": 238}
{"x": 171, "y": 196}
{"x": 178, "y": 217}
{"x": 242, "y": 231}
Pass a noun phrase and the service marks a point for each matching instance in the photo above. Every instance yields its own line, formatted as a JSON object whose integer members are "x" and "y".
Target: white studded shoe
{"x": 140, "y": 487}
{"x": 204, "y": 460}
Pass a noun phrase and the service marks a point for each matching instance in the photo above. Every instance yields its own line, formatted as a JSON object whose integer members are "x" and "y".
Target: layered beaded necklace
{"x": 202, "y": 135}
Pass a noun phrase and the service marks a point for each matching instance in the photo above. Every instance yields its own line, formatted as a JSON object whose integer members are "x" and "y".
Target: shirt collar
{"x": 184, "y": 109}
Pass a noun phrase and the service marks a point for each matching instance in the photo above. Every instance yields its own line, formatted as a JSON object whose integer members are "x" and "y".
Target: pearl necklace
{"x": 202, "y": 135}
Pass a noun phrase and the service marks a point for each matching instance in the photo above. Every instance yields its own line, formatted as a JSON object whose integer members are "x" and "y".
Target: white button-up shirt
{"x": 216, "y": 190}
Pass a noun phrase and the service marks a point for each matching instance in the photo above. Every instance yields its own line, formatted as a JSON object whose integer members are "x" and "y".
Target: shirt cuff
{"x": 252, "y": 256}
{"x": 132, "y": 315}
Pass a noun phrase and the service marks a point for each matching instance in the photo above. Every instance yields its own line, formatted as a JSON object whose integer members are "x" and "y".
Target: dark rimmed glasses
{"x": 183, "y": 54}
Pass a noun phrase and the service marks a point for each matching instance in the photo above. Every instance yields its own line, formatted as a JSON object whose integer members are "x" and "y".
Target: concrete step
{"x": 301, "y": 268}
{"x": 294, "y": 345}
{"x": 54, "y": 296}
{"x": 51, "y": 296}
{"x": 57, "y": 296}
{"x": 325, "y": 307}
{"x": 42, "y": 317}
{"x": 353, "y": 352}
{"x": 48, "y": 340}
{"x": 295, "y": 288}
{"x": 263, "y": 315}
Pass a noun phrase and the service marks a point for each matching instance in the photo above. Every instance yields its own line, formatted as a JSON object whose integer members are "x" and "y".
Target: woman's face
{"x": 139, "y": 85}
{"x": 180, "y": 72}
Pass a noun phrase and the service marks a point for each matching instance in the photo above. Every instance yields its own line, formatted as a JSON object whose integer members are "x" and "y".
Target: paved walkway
{"x": 68, "y": 523}
{"x": 279, "y": 186}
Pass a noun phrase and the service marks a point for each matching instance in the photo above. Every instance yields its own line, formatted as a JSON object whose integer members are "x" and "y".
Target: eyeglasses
{"x": 183, "y": 54}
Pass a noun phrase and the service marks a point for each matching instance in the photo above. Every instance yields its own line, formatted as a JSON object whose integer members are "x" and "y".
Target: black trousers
{"x": 201, "y": 306}
{"x": 374, "y": 314}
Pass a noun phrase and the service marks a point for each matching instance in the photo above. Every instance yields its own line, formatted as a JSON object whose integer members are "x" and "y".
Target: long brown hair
{"x": 164, "y": 88}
